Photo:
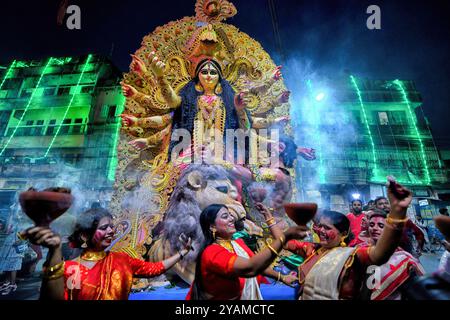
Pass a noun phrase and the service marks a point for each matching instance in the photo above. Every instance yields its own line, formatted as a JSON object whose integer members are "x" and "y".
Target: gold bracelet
{"x": 392, "y": 220}
{"x": 282, "y": 240}
{"x": 397, "y": 223}
{"x": 20, "y": 237}
{"x": 54, "y": 272}
{"x": 279, "y": 276}
{"x": 272, "y": 249}
{"x": 270, "y": 221}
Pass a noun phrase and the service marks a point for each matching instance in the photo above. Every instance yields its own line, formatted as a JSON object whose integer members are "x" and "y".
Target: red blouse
{"x": 109, "y": 279}
{"x": 218, "y": 278}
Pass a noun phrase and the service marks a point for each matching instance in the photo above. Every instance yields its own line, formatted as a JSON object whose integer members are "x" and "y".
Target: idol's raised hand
{"x": 284, "y": 97}
{"x": 139, "y": 144}
{"x": 128, "y": 121}
{"x": 277, "y": 73}
{"x": 137, "y": 65}
{"x": 128, "y": 91}
{"x": 156, "y": 66}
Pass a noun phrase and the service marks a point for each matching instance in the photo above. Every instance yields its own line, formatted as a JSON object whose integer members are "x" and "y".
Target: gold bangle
{"x": 392, "y": 220}
{"x": 279, "y": 276}
{"x": 270, "y": 220}
{"x": 20, "y": 237}
{"x": 54, "y": 272}
{"x": 272, "y": 249}
{"x": 282, "y": 240}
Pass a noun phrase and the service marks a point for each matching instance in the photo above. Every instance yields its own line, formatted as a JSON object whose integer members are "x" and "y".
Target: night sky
{"x": 329, "y": 35}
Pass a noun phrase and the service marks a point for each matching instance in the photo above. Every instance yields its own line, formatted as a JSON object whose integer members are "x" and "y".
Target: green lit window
{"x": 65, "y": 128}
{"x": 12, "y": 83}
{"x": 63, "y": 91}
{"x": 26, "y": 93}
{"x": 49, "y": 92}
{"x": 78, "y": 127}
{"x": 37, "y": 130}
{"x": 112, "y": 113}
{"x": 383, "y": 118}
{"x": 397, "y": 117}
{"x": 87, "y": 89}
{"x": 51, "y": 127}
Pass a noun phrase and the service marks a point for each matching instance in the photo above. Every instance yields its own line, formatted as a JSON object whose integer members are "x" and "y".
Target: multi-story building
{"x": 365, "y": 131}
{"x": 59, "y": 122}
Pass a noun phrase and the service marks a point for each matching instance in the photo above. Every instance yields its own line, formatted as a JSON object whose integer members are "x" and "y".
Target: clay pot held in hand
{"x": 301, "y": 213}
{"x": 45, "y": 206}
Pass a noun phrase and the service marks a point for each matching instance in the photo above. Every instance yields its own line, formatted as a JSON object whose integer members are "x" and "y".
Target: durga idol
{"x": 206, "y": 106}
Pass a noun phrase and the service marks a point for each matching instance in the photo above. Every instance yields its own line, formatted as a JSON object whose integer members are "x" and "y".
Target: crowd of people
{"x": 369, "y": 253}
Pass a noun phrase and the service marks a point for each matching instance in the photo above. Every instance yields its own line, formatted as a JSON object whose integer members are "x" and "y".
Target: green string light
{"x": 400, "y": 85}
{"x": 68, "y": 107}
{"x": 113, "y": 163}
{"x": 27, "y": 106}
{"x": 366, "y": 122}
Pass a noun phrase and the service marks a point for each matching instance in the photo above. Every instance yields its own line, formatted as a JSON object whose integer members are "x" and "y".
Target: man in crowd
{"x": 356, "y": 216}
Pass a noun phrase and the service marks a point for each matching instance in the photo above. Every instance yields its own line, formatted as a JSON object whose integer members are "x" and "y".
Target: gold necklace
{"x": 93, "y": 255}
{"x": 226, "y": 244}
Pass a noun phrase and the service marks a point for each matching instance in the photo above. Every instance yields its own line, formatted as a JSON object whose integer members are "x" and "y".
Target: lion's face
{"x": 219, "y": 192}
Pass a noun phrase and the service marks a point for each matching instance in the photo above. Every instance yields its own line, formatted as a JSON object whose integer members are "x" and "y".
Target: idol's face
{"x": 208, "y": 76}
{"x": 376, "y": 226}
{"x": 329, "y": 235}
{"x": 224, "y": 224}
{"x": 104, "y": 234}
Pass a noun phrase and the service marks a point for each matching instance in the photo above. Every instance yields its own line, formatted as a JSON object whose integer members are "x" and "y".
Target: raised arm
{"x": 157, "y": 67}
{"x": 153, "y": 269}
{"x": 53, "y": 276}
{"x": 399, "y": 198}
{"x": 248, "y": 268}
{"x": 155, "y": 122}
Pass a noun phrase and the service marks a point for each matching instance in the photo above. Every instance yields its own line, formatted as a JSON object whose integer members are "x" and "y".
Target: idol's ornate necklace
{"x": 93, "y": 255}
{"x": 226, "y": 244}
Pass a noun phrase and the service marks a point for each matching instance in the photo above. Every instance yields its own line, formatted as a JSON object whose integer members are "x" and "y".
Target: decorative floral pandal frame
{"x": 147, "y": 175}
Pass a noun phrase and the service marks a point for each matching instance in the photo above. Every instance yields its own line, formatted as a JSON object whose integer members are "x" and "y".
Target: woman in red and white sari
{"x": 391, "y": 276}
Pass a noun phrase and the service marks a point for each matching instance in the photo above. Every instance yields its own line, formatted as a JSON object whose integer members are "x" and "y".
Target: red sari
{"x": 110, "y": 278}
{"x": 218, "y": 278}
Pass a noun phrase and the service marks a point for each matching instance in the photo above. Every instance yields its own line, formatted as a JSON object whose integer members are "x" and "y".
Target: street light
{"x": 356, "y": 196}
{"x": 320, "y": 96}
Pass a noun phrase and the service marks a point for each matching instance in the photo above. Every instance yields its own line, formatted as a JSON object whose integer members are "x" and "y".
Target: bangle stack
{"x": 271, "y": 222}
{"x": 54, "y": 272}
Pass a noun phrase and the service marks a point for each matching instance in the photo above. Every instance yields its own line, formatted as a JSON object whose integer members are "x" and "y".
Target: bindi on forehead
{"x": 209, "y": 67}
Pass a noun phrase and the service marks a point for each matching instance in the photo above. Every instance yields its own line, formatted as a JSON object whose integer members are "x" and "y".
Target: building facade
{"x": 369, "y": 130}
{"x": 59, "y": 125}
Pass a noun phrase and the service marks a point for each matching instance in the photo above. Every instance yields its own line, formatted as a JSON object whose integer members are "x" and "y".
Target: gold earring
{"x": 218, "y": 89}
{"x": 343, "y": 244}
{"x": 214, "y": 233}
{"x": 199, "y": 87}
{"x": 84, "y": 245}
